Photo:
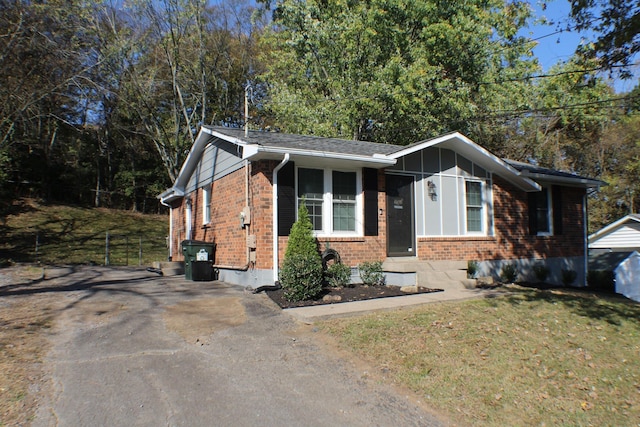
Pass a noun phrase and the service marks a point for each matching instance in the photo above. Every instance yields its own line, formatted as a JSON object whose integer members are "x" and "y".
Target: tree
{"x": 617, "y": 25}
{"x": 391, "y": 70}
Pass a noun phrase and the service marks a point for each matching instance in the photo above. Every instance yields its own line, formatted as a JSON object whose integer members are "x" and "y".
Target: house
{"x": 439, "y": 200}
{"x": 622, "y": 235}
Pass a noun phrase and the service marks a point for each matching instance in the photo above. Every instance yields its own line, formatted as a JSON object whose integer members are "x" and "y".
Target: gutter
{"x": 163, "y": 203}
{"x": 284, "y": 161}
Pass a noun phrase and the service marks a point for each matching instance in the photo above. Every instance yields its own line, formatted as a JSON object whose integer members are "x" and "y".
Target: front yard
{"x": 534, "y": 357}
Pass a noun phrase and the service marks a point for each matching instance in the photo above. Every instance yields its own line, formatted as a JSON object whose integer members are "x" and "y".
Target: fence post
{"x": 140, "y": 252}
{"x": 106, "y": 250}
{"x": 37, "y": 244}
{"x": 126, "y": 239}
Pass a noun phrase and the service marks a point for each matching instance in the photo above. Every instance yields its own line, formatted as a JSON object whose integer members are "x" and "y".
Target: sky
{"x": 554, "y": 47}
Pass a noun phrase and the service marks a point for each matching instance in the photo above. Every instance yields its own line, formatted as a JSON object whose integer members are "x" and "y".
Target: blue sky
{"x": 554, "y": 47}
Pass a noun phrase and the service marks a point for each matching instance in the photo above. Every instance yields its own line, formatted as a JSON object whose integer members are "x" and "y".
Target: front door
{"x": 400, "y": 217}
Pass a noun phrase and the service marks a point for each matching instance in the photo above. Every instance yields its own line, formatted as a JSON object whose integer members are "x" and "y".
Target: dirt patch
{"x": 196, "y": 320}
{"x": 25, "y": 322}
{"x": 350, "y": 294}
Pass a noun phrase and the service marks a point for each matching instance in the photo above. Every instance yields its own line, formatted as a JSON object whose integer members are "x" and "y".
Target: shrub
{"x": 301, "y": 277}
{"x": 371, "y": 273}
{"x": 301, "y": 273}
{"x": 338, "y": 275}
{"x": 601, "y": 280}
{"x": 568, "y": 277}
{"x": 509, "y": 273}
{"x": 472, "y": 269}
{"x": 541, "y": 271}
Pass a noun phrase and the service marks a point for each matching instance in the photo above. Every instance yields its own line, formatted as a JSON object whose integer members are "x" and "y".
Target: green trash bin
{"x": 198, "y": 259}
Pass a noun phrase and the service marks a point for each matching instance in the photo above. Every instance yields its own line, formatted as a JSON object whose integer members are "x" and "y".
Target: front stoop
{"x": 432, "y": 274}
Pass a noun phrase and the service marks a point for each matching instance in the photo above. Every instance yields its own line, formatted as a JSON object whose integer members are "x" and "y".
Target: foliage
{"x": 392, "y": 70}
{"x": 371, "y": 273}
{"x": 568, "y": 277}
{"x": 472, "y": 269}
{"x": 557, "y": 357}
{"x": 616, "y": 24}
{"x": 601, "y": 280}
{"x": 301, "y": 272}
{"x": 338, "y": 275}
{"x": 509, "y": 273}
{"x": 541, "y": 272}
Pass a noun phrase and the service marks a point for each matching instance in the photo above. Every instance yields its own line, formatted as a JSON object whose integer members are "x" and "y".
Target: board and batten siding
{"x": 218, "y": 160}
{"x": 624, "y": 237}
{"x": 445, "y": 214}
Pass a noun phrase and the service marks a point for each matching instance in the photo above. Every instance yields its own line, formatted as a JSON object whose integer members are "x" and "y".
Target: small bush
{"x": 601, "y": 280}
{"x": 338, "y": 275}
{"x": 509, "y": 273}
{"x": 541, "y": 271}
{"x": 371, "y": 273}
{"x": 301, "y": 277}
{"x": 301, "y": 273}
{"x": 472, "y": 269}
{"x": 568, "y": 277}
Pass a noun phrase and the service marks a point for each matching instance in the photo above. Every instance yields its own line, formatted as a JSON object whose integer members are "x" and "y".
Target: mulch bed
{"x": 356, "y": 293}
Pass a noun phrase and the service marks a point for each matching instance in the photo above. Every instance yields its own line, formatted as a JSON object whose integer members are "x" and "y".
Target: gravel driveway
{"x": 132, "y": 348}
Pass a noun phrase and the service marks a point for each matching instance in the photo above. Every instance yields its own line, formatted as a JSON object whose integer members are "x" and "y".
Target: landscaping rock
{"x": 409, "y": 289}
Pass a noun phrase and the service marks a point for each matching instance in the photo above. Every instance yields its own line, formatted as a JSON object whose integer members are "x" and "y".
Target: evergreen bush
{"x": 301, "y": 273}
{"x": 338, "y": 275}
{"x": 541, "y": 271}
{"x": 371, "y": 273}
{"x": 509, "y": 273}
{"x": 472, "y": 269}
{"x": 568, "y": 277}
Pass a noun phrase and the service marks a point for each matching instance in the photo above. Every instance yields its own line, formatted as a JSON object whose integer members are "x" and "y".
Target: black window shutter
{"x": 556, "y": 195}
{"x": 286, "y": 199}
{"x": 533, "y": 213}
{"x": 370, "y": 190}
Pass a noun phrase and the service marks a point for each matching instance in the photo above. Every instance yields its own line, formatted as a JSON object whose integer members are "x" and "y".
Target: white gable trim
{"x": 472, "y": 151}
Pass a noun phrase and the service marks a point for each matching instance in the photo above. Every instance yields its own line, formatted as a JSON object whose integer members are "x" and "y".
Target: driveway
{"x": 132, "y": 348}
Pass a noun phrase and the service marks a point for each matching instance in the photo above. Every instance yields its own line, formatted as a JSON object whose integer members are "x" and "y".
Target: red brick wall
{"x": 227, "y": 201}
{"x": 512, "y": 239}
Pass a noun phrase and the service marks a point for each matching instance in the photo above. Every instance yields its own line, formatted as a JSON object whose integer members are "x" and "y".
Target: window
{"x": 206, "y": 205}
{"x": 344, "y": 201}
{"x": 332, "y": 199}
{"x": 543, "y": 212}
{"x": 474, "y": 206}
{"x": 311, "y": 189}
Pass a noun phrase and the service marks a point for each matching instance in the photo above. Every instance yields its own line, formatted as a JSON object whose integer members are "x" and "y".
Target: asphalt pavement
{"x": 132, "y": 348}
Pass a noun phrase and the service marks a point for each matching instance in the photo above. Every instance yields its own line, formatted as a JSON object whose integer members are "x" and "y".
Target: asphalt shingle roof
{"x": 309, "y": 143}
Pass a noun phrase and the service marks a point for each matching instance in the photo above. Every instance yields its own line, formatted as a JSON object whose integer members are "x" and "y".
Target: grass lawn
{"x": 533, "y": 357}
{"x": 54, "y": 234}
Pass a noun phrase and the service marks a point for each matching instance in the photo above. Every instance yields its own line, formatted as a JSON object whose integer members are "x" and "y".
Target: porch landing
{"x": 431, "y": 274}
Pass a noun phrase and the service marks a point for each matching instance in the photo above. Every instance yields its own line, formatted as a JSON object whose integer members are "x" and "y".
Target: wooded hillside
{"x": 100, "y": 100}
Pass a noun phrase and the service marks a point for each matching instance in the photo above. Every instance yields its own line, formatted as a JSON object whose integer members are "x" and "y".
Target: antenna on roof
{"x": 247, "y": 89}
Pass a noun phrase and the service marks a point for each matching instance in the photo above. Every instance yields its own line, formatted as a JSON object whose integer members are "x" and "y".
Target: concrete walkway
{"x": 131, "y": 348}
{"x": 319, "y": 312}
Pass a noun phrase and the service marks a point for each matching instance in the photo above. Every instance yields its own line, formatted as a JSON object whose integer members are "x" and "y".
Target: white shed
{"x": 622, "y": 235}
{"x": 627, "y": 277}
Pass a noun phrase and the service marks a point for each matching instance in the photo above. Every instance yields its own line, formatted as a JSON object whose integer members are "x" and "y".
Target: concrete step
{"x": 432, "y": 274}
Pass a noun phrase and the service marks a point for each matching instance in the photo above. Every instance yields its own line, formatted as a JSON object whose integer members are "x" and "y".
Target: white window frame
{"x": 327, "y": 202}
{"x": 206, "y": 205}
{"x": 549, "y": 232}
{"x": 483, "y": 208}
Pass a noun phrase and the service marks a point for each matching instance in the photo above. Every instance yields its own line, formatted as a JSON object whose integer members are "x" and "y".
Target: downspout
{"x": 163, "y": 203}
{"x": 585, "y": 238}
{"x": 275, "y": 215}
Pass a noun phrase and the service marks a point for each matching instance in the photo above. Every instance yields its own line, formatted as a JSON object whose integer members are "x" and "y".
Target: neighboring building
{"x": 622, "y": 235}
{"x": 620, "y": 268}
{"x": 443, "y": 199}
